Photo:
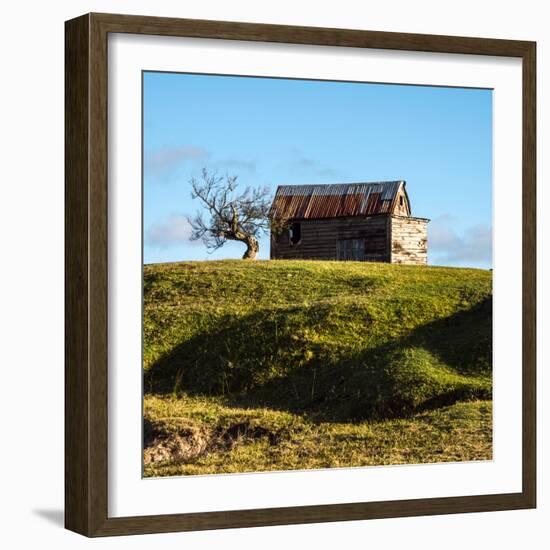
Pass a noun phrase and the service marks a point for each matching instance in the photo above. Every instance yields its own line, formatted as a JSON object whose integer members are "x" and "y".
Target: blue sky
{"x": 282, "y": 131}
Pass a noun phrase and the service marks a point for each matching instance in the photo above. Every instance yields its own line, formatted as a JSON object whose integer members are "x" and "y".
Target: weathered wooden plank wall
{"x": 409, "y": 240}
{"x": 395, "y": 239}
{"x": 320, "y": 239}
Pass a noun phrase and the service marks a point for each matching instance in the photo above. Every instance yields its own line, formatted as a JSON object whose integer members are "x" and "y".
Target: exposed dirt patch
{"x": 177, "y": 441}
{"x": 173, "y": 443}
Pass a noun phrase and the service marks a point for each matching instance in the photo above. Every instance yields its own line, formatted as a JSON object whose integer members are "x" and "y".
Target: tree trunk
{"x": 252, "y": 248}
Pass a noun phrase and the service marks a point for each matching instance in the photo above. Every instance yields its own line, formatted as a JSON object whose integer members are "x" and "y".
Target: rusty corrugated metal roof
{"x": 335, "y": 200}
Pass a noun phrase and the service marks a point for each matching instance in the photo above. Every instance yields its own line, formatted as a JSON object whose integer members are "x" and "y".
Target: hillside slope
{"x": 335, "y": 341}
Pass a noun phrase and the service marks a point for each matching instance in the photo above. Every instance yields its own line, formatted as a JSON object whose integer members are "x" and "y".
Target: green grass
{"x": 334, "y": 348}
{"x": 267, "y": 440}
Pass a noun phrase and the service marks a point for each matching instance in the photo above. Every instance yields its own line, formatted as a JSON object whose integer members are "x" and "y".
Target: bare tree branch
{"x": 232, "y": 216}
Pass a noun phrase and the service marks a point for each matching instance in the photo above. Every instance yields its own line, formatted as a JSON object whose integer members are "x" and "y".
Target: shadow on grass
{"x": 269, "y": 359}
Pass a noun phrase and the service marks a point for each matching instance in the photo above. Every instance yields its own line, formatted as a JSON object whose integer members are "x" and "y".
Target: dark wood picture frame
{"x": 86, "y": 374}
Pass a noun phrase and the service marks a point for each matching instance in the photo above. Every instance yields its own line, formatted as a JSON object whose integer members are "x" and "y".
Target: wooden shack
{"x": 362, "y": 221}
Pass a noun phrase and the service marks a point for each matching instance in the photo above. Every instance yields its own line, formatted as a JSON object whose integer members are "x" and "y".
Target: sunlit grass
{"x": 460, "y": 432}
{"x": 330, "y": 348}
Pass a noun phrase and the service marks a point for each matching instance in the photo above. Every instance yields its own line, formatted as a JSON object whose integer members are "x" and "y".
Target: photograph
{"x": 317, "y": 274}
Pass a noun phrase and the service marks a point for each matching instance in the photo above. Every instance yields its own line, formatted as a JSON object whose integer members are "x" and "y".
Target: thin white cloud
{"x": 303, "y": 165}
{"x": 237, "y": 166}
{"x": 165, "y": 163}
{"x": 175, "y": 230}
{"x": 446, "y": 246}
{"x": 162, "y": 163}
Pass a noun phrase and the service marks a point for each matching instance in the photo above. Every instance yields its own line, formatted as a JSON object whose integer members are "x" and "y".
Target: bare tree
{"x": 232, "y": 216}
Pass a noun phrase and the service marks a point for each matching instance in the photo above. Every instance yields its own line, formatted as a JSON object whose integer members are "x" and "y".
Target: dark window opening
{"x": 295, "y": 233}
{"x": 401, "y": 200}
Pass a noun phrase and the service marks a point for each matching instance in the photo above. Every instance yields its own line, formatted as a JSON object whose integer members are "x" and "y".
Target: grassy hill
{"x": 268, "y": 353}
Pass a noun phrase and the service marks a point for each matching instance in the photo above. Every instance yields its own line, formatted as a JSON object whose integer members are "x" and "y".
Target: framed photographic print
{"x": 300, "y": 274}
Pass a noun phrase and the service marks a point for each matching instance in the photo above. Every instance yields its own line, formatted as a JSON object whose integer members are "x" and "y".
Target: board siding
{"x": 395, "y": 239}
{"x": 320, "y": 239}
{"x": 409, "y": 240}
